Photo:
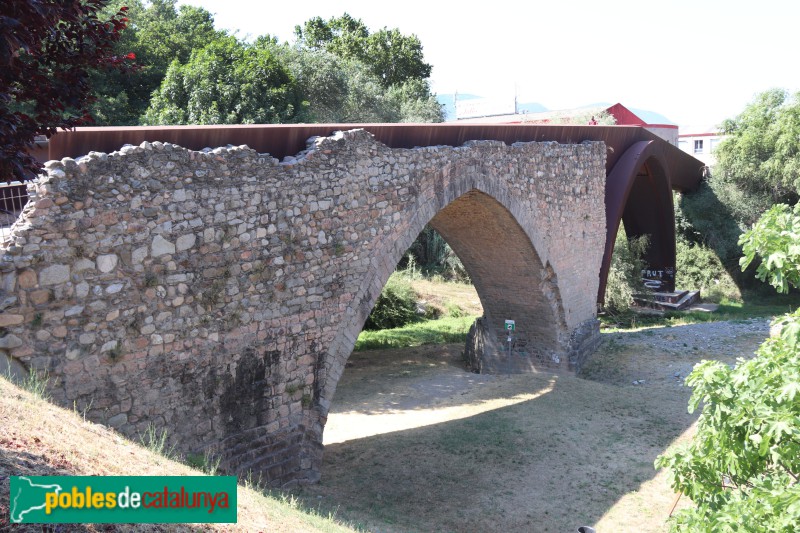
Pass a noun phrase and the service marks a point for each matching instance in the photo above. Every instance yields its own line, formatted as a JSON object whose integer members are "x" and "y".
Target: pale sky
{"x": 694, "y": 61}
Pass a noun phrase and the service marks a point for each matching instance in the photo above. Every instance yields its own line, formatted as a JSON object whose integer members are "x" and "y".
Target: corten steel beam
{"x": 288, "y": 139}
{"x": 638, "y": 193}
{"x": 644, "y": 204}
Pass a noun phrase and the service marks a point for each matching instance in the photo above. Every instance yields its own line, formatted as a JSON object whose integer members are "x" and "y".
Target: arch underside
{"x": 510, "y": 279}
{"x": 639, "y": 195}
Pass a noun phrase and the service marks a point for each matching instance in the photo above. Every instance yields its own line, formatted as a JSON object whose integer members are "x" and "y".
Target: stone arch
{"x": 501, "y": 259}
{"x": 638, "y": 195}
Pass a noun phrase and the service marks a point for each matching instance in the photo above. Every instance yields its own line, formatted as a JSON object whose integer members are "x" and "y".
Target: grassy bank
{"x": 440, "y": 331}
{"x": 40, "y": 439}
{"x": 754, "y": 307}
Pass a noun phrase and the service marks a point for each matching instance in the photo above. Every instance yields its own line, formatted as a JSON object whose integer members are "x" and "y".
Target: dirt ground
{"x": 416, "y": 443}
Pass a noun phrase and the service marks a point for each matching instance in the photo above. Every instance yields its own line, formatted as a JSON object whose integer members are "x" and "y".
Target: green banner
{"x": 122, "y": 499}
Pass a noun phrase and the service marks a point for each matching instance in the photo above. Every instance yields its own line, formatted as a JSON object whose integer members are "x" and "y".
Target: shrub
{"x": 432, "y": 255}
{"x": 741, "y": 468}
{"x": 454, "y": 310}
{"x": 706, "y": 217}
{"x": 396, "y": 305}
{"x": 698, "y": 267}
{"x": 625, "y": 274}
{"x": 774, "y": 238}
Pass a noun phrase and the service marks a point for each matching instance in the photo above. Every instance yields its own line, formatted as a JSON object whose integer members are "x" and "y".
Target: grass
{"x": 34, "y": 382}
{"x": 756, "y": 307}
{"x": 440, "y": 331}
{"x": 155, "y": 440}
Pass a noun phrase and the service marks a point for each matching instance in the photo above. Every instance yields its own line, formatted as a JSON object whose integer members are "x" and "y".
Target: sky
{"x": 697, "y": 62}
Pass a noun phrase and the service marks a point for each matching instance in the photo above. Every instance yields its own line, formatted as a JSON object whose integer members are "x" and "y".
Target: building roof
{"x": 623, "y": 116}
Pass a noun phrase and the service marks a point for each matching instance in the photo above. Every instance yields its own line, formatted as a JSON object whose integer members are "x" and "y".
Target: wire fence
{"x": 13, "y": 197}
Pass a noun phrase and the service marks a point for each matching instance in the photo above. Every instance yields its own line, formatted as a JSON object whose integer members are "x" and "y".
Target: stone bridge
{"x": 219, "y": 293}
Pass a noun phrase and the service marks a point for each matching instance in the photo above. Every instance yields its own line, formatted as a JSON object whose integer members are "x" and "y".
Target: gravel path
{"x": 666, "y": 355}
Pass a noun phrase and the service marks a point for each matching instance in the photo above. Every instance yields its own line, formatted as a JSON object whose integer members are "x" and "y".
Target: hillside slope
{"x": 40, "y": 439}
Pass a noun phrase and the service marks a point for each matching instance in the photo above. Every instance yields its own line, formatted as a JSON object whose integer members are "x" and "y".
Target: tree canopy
{"x": 158, "y": 33}
{"x": 226, "y": 82}
{"x": 47, "y": 50}
{"x": 761, "y": 154}
{"x": 391, "y": 56}
{"x": 321, "y": 78}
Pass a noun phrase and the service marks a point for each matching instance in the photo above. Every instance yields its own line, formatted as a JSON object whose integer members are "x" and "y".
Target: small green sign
{"x": 510, "y": 325}
{"x": 122, "y": 499}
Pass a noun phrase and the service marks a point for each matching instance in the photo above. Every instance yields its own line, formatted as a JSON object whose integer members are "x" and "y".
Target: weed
{"x": 234, "y": 319}
{"x": 289, "y": 239}
{"x": 135, "y": 323}
{"x": 37, "y": 321}
{"x": 207, "y": 462}
{"x": 338, "y": 249}
{"x": 116, "y": 352}
{"x": 85, "y": 410}
{"x": 213, "y": 294}
{"x": 150, "y": 279}
{"x": 35, "y": 382}
{"x": 229, "y": 234}
{"x": 454, "y": 310}
{"x": 155, "y": 440}
{"x": 306, "y": 400}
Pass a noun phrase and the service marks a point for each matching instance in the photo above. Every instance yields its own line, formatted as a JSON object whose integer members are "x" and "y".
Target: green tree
{"x": 776, "y": 239}
{"x": 742, "y": 467}
{"x": 227, "y": 82}
{"x": 159, "y": 33}
{"x": 760, "y": 158}
{"x": 335, "y": 89}
{"x": 625, "y": 274}
{"x": 391, "y": 56}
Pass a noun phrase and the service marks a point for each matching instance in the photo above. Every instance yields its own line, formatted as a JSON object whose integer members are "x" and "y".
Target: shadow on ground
{"x": 552, "y": 452}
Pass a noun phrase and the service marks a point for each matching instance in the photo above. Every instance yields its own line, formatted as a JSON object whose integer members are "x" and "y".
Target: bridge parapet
{"x": 218, "y": 294}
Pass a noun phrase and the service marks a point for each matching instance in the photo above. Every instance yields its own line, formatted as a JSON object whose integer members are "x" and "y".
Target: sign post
{"x": 510, "y": 326}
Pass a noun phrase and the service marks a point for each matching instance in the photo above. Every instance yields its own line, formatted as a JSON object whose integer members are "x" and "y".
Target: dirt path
{"x": 415, "y": 443}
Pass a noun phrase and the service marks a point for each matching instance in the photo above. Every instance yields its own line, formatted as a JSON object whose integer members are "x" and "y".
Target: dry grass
{"x": 443, "y": 295}
{"x": 40, "y": 439}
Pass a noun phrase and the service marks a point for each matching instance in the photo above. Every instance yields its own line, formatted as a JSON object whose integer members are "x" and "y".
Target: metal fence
{"x": 13, "y": 197}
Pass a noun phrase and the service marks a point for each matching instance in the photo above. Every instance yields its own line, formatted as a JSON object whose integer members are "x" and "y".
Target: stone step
{"x": 672, "y": 301}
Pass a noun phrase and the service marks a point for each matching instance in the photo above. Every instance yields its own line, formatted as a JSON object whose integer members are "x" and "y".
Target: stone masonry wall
{"x": 218, "y": 294}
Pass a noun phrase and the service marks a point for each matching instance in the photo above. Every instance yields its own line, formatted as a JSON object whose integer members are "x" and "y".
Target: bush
{"x": 433, "y": 256}
{"x": 625, "y": 274}
{"x": 698, "y": 267}
{"x": 741, "y": 468}
{"x": 774, "y": 238}
{"x": 706, "y": 217}
{"x": 396, "y": 305}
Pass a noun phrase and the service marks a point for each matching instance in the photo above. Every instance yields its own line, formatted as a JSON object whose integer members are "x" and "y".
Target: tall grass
{"x": 34, "y": 382}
